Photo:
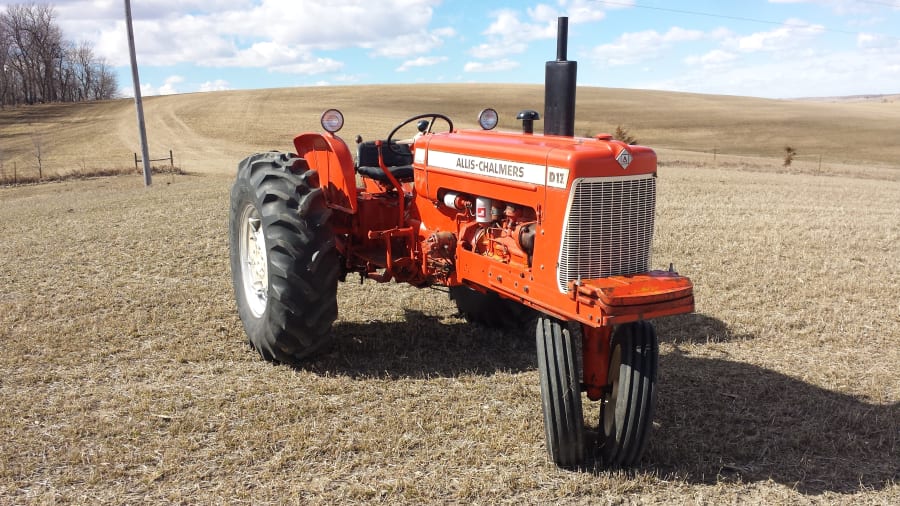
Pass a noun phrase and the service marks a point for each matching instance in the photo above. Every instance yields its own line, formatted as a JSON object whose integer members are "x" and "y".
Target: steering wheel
{"x": 433, "y": 115}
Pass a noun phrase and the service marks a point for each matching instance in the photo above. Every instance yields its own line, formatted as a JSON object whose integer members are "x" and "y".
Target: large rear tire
{"x": 284, "y": 266}
{"x": 490, "y": 310}
{"x": 560, "y": 393}
{"x": 627, "y": 412}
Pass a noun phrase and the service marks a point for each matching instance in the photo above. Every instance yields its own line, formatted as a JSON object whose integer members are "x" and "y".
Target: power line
{"x": 751, "y": 20}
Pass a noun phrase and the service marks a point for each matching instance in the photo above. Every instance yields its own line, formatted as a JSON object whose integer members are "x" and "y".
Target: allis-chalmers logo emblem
{"x": 624, "y": 159}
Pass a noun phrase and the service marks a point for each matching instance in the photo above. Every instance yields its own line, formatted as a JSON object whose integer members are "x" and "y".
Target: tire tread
{"x": 303, "y": 265}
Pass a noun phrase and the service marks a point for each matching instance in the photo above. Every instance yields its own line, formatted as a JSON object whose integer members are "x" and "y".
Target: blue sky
{"x": 764, "y": 48}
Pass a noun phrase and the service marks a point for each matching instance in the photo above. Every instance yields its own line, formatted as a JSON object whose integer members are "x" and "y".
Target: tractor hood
{"x": 542, "y": 160}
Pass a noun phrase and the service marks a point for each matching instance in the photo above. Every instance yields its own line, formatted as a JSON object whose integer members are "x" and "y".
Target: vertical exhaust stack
{"x": 559, "y": 87}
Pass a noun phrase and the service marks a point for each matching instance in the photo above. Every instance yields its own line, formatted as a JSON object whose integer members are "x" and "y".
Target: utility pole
{"x": 138, "y": 103}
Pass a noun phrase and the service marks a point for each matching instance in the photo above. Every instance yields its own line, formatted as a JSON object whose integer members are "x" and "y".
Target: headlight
{"x": 488, "y": 119}
{"x": 332, "y": 120}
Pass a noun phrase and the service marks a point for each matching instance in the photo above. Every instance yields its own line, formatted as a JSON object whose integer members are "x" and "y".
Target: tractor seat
{"x": 397, "y": 158}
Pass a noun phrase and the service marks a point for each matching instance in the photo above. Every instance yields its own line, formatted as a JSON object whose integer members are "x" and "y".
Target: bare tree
{"x": 106, "y": 84}
{"x": 5, "y": 72}
{"x": 789, "y": 154}
{"x": 82, "y": 63}
{"x": 95, "y": 80}
{"x": 38, "y": 65}
{"x": 622, "y": 134}
{"x": 37, "y": 139}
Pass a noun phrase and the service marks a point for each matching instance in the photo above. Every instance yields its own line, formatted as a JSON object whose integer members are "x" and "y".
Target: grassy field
{"x": 125, "y": 376}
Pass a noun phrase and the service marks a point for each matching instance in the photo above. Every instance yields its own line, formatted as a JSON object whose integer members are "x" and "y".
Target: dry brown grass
{"x": 125, "y": 377}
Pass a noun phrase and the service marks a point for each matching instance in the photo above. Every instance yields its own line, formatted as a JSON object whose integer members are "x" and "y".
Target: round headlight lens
{"x": 488, "y": 119}
{"x": 332, "y": 120}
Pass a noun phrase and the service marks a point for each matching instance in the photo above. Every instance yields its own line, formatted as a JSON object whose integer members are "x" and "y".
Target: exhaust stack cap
{"x": 562, "y": 38}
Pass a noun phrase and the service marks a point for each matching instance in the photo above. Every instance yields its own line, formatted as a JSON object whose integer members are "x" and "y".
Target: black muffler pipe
{"x": 559, "y": 87}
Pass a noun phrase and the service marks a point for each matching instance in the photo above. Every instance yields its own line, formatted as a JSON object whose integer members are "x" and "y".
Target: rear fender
{"x": 330, "y": 157}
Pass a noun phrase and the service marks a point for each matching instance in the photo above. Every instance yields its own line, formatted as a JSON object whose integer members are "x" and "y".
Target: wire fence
{"x": 801, "y": 162}
{"x": 817, "y": 161}
{"x": 24, "y": 170}
{"x": 48, "y": 168}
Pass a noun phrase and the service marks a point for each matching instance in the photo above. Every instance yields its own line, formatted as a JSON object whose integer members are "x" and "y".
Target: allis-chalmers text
{"x": 491, "y": 167}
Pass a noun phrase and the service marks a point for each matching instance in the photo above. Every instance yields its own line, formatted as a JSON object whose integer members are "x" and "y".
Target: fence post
{"x": 135, "y": 162}
{"x": 171, "y": 159}
{"x": 15, "y": 174}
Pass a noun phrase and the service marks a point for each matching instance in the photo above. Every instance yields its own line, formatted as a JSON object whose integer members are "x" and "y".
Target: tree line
{"x": 37, "y": 65}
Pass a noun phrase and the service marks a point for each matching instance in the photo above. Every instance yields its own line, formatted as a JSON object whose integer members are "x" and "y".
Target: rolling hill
{"x": 210, "y": 132}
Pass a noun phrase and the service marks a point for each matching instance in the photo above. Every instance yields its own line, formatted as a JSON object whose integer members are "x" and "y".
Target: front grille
{"x": 608, "y": 229}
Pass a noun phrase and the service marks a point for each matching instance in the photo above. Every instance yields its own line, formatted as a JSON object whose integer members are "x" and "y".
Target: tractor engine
{"x": 501, "y": 231}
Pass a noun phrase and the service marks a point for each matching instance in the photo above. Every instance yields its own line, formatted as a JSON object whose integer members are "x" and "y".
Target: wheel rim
{"x": 254, "y": 262}
{"x": 609, "y": 407}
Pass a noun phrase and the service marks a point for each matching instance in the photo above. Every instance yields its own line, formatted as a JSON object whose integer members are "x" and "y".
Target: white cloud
{"x": 678, "y": 34}
{"x": 333, "y": 24}
{"x": 586, "y": 11}
{"x": 509, "y": 34}
{"x": 793, "y": 34}
{"x": 865, "y": 22}
{"x": 543, "y": 13}
{"x": 832, "y": 74}
{"x": 500, "y": 41}
{"x": 422, "y": 61}
{"x": 346, "y": 78}
{"x": 149, "y": 89}
{"x": 168, "y": 87}
{"x": 310, "y": 67}
{"x": 876, "y": 42}
{"x": 412, "y": 43}
{"x": 277, "y": 58}
{"x": 635, "y": 47}
{"x": 249, "y": 32}
{"x": 259, "y": 54}
{"x": 507, "y": 29}
{"x": 721, "y": 33}
{"x": 217, "y": 85}
{"x": 492, "y": 66}
{"x": 843, "y": 6}
{"x": 712, "y": 59}
{"x": 493, "y": 51}
{"x": 578, "y": 11}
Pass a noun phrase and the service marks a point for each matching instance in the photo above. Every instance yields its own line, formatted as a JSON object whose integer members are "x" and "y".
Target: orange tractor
{"x": 514, "y": 223}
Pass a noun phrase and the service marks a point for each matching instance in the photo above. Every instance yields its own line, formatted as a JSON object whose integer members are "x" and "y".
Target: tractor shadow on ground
{"x": 696, "y": 328}
{"x": 716, "y": 421}
{"x": 422, "y": 346}
{"x": 723, "y": 421}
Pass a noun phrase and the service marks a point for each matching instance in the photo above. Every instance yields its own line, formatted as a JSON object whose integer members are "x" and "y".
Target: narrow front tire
{"x": 626, "y": 416}
{"x": 560, "y": 393}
